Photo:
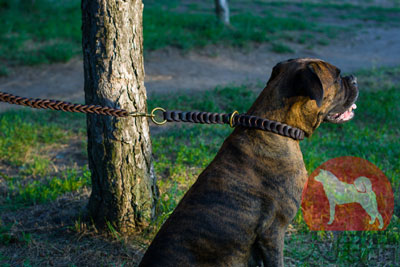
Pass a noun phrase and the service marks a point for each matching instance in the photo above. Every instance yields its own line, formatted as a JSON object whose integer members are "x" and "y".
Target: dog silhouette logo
{"x": 347, "y": 193}
{"x": 339, "y": 193}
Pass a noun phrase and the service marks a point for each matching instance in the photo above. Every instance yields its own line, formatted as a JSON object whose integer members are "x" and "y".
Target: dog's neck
{"x": 265, "y": 144}
{"x": 266, "y": 152}
{"x": 297, "y": 112}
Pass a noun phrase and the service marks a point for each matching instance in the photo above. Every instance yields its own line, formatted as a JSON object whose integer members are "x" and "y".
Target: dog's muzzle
{"x": 346, "y": 111}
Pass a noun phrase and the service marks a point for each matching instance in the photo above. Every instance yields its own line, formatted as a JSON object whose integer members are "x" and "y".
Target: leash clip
{"x": 151, "y": 115}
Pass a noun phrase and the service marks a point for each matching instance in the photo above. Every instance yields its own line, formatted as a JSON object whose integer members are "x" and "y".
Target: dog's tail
{"x": 363, "y": 184}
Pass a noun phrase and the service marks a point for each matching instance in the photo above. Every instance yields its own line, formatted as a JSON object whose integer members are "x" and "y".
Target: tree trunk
{"x": 119, "y": 149}
{"x": 222, "y": 10}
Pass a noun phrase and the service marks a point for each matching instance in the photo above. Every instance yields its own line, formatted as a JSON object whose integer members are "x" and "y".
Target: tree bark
{"x": 119, "y": 149}
{"x": 222, "y": 11}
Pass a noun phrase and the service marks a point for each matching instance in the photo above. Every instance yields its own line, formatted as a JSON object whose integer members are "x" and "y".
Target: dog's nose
{"x": 352, "y": 79}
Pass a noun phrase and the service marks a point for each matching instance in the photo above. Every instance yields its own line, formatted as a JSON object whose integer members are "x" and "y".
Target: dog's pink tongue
{"x": 348, "y": 114}
{"x": 345, "y": 116}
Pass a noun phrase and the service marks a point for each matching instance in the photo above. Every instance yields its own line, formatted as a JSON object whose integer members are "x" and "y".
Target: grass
{"x": 36, "y": 192}
{"x": 25, "y": 141}
{"x": 281, "y": 48}
{"x": 27, "y": 176}
{"x": 46, "y": 31}
{"x": 4, "y": 71}
{"x": 41, "y": 31}
{"x": 6, "y": 238}
{"x": 186, "y": 31}
{"x": 21, "y": 133}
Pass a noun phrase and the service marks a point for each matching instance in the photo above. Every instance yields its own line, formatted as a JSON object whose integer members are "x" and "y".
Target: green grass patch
{"x": 35, "y": 192}
{"x": 350, "y": 248}
{"x": 46, "y": 31}
{"x": 7, "y": 237}
{"x": 305, "y": 37}
{"x": 40, "y": 31}
{"x": 21, "y": 133}
{"x": 281, "y": 48}
{"x": 24, "y": 136}
{"x": 186, "y": 31}
{"x": 4, "y": 71}
{"x": 37, "y": 167}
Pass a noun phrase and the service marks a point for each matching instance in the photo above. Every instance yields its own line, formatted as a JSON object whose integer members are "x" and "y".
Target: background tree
{"x": 222, "y": 11}
{"x": 119, "y": 149}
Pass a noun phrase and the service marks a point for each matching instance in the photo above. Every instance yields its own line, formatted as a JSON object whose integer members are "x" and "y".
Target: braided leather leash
{"x": 61, "y": 105}
{"x": 233, "y": 119}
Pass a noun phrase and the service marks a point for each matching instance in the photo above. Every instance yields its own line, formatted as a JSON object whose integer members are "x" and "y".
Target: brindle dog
{"x": 238, "y": 210}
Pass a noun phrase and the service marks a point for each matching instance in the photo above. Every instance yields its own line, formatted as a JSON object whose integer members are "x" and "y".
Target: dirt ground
{"x": 170, "y": 70}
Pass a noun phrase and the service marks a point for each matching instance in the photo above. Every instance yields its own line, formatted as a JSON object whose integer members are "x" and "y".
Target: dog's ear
{"x": 307, "y": 83}
{"x": 337, "y": 72}
{"x": 275, "y": 71}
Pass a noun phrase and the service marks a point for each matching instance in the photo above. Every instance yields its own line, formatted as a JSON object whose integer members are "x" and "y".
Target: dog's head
{"x": 305, "y": 92}
{"x": 323, "y": 176}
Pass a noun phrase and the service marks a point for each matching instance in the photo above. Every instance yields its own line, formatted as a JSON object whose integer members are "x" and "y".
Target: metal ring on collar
{"x": 231, "y": 118}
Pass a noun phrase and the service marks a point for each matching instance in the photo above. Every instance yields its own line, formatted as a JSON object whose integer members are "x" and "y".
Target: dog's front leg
{"x": 332, "y": 206}
{"x": 271, "y": 245}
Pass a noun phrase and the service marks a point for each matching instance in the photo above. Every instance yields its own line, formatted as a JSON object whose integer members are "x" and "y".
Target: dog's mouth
{"x": 340, "y": 116}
